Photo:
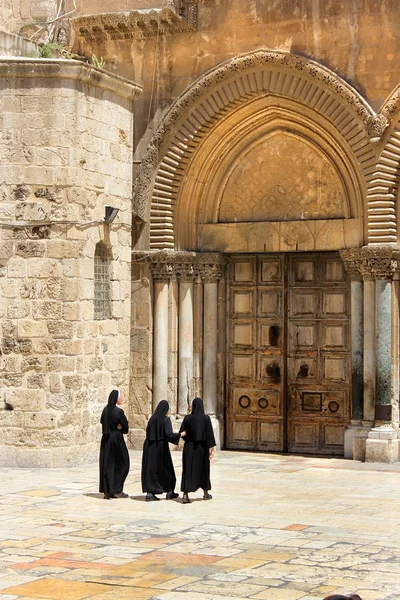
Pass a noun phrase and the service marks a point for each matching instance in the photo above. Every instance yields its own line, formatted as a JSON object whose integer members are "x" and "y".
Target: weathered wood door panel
{"x": 288, "y": 353}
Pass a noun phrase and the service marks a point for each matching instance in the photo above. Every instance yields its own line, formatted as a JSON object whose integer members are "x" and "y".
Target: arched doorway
{"x": 265, "y": 161}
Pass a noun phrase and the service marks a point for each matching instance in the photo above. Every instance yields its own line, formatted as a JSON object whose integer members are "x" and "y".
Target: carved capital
{"x": 370, "y": 263}
{"x": 185, "y": 272}
{"x": 183, "y": 265}
{"x": 211, "y": 273}
{"x": 162, "y": 271}
{"x": 375, "y": 126}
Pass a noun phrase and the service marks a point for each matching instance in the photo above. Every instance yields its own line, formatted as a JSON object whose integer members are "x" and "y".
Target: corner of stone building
{"x": 67, "y": 155}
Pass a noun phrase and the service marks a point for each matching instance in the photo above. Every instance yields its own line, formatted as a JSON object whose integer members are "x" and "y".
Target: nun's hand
{"x": 119, "y": 426}
{"x": 183, "y": 433}
{"x": 211, "y": 453}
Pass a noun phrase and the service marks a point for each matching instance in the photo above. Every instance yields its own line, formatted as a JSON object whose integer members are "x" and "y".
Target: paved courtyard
{"x": 278, "y": 528}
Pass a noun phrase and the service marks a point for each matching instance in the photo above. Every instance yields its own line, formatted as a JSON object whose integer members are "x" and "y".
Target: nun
{"x": 197, "y": 452}
{"x": 114, "y": 456}
{"x": 158, "y": 474}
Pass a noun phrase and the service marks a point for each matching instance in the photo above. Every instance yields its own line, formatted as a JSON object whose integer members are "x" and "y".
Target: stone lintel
{"x": 372, "y": 262}
{"x": 134, "y": 24}
{"x": 58, "y": 68}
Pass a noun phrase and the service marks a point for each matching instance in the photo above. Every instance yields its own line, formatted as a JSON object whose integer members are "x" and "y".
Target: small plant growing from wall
{"x": 98, "y": 62}
{"x": 50, "y": 50}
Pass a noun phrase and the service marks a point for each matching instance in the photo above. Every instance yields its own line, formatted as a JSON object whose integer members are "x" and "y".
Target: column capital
{"x": 161, "y": 271}
{"x": 372, "y": 262}
{"x": 183, "y": 265}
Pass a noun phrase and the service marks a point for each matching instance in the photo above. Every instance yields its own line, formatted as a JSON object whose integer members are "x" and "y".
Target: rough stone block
{"x": 9, "y": 288}
{"x": 109, "y": 327}
{"x": 45, "y": 268}
{"x": 18, "y": 309}
{"x": 32, "y": 289}
{"x": 35, "y": 381}
{"x": 72, "y": 382}
{"x": 12, "y": 379}
{"x": 32, "y": 329}
{"x": 16, "y": 267}
{"x": 40, "y": 420}
{"x": 30, "y": 248}
{"x": 60, "y": 401}
{"x": 6, "y": 248}
{"x": 31, "y": 211}
{"x": 60, "y": 363}
{"x": 54, "y": 382}
{"x": 26, "y": 399}
{"x": 47, "y": 309}
{"x": 73, "y": 347}
{"x": 60, "y": 329}
{"x": 63, "y": 249}
{"x": 32, "y": 363}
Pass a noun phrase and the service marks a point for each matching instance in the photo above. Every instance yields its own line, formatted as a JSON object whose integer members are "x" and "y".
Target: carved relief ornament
{"x": 370, "y": 263}
{"x": 236, "y": 69}
{"x": 184, "y": 266}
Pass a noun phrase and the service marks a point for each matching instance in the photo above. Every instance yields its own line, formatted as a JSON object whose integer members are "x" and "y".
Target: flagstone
{"x": 57, "y": 589}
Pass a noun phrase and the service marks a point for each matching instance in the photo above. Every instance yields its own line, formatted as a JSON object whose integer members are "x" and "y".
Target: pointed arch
{"x": 239, "y": 81}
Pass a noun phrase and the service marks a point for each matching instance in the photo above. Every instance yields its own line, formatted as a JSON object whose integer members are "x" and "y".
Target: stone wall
{"x": 347, "y": 37}
{"x": 66, "y": 153}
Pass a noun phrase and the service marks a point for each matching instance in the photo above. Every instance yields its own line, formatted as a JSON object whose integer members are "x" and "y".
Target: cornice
{"x": 135, "y": 24}
{"x": 57, "y": 68}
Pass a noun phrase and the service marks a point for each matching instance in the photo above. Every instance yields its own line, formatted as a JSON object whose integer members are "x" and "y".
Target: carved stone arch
{"x": 383, "y": 182}
{"x": 224, "y": 89}
{"x": 244, "y": 138}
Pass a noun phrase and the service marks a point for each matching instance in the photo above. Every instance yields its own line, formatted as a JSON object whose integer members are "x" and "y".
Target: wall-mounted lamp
{"x": 111, "y": 213}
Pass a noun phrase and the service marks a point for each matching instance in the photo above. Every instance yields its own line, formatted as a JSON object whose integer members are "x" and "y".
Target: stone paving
{"x": 278, "y": 528}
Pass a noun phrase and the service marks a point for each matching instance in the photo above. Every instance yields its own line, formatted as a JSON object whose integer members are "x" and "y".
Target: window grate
{"x": 102, "y": 307}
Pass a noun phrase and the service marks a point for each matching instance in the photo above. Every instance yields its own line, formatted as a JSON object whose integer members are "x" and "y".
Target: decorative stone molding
{"x": 212, "y": 272}
{"x": 185, "y": 266}
{"x": 370, "y": 263}
{"x": 236, "y": 82}
{"x": 376, "y": 126}
{"x": 36, "y": 68}
{"x": 135, "y": 24}
{"x": 392, "y": 104}
{"x": 161, "y": 271}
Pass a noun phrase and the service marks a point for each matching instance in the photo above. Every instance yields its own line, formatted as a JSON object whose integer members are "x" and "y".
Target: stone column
{"x": 377, "y": 440}
{"x": 369, "y": 353}
{"x": 211, "y": 273}
{"x": 185, "y": 369}
{"x": 382, "y": 444}
{"x": 357, "y": 324}
{"x": 173, "y": 346}
{"x": 198, "y": 339}
{"x": 210, "y": 346}
{"x": 383, "y": 407}
{"x": 161, "y": 273}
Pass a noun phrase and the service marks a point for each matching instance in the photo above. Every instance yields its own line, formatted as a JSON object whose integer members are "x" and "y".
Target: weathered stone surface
{"x": 60, "y": 329}
{"x": 33, "y": 289}
{"x": 30, "y": 249}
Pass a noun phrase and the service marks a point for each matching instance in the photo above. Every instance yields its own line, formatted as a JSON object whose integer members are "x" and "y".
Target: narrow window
{"x": 101, "y": 282}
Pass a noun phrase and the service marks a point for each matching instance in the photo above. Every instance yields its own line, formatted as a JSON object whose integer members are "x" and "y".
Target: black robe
{"x": 195, "y": 460}
{"x": 158, "y": 473}
{"x": 114, "y": 456}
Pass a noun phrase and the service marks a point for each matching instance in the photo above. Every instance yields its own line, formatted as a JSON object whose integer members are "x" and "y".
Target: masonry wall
{"x": 357, "y": 40}
{"x": 66, "y": 152}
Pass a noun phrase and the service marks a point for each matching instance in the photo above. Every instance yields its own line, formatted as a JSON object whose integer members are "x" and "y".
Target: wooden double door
{"x": 288, "y": 353}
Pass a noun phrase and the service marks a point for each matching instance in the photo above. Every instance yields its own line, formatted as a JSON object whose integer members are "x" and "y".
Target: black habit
{"x": 158, "y": 474}
{"x": 114, "y": 456}
{"x": 198, "y": 441}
